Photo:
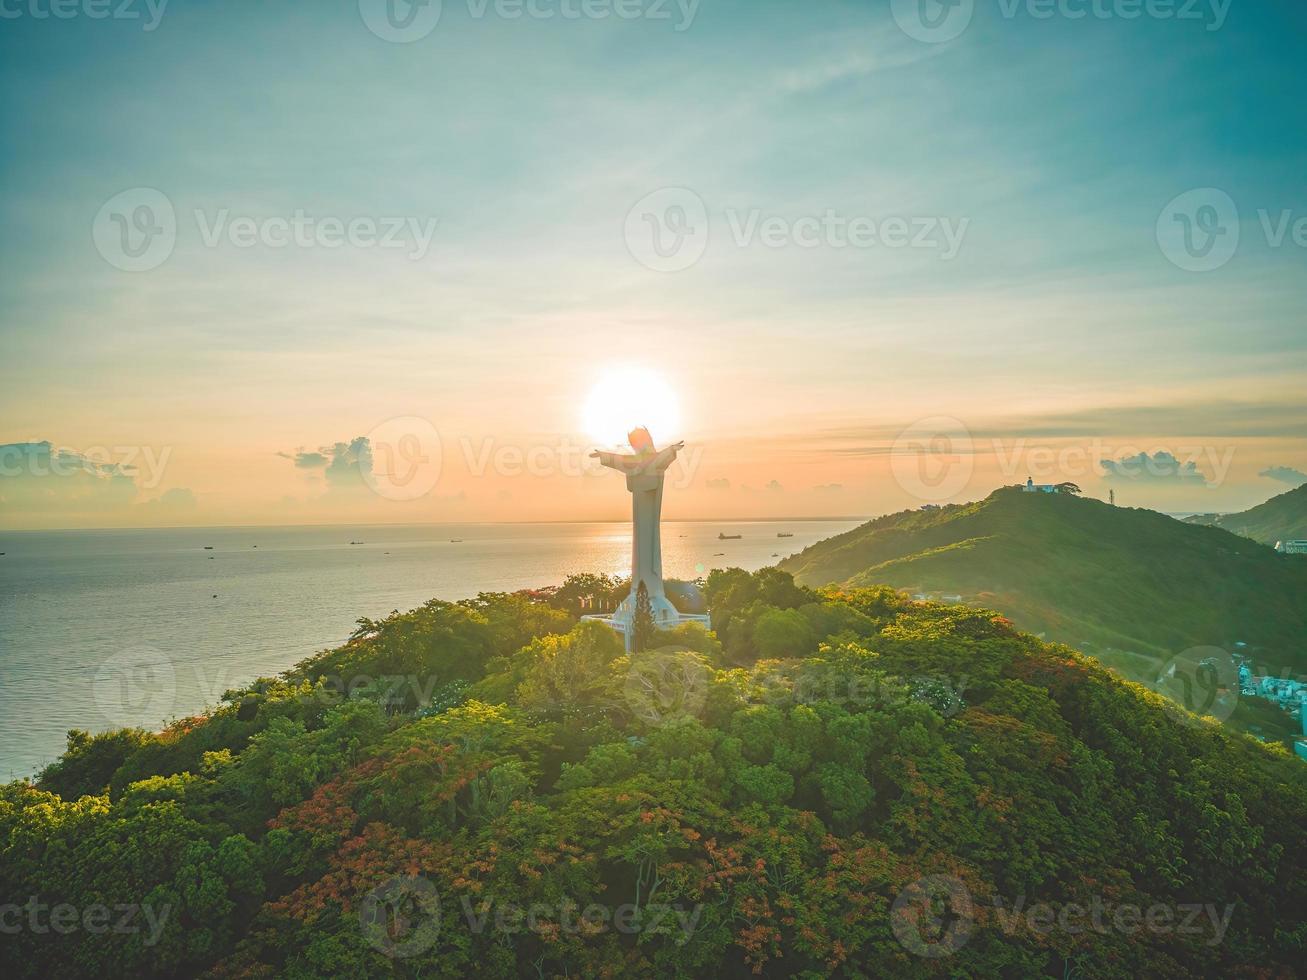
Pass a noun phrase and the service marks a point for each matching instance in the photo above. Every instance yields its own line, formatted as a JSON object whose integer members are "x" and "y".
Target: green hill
{"x": 838, "y": 783}
{"x": 1282, "y": 518}
{"x": 1101, "y": 578}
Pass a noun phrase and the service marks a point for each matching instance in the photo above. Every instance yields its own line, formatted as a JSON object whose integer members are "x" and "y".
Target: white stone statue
{"x": 645, "y": 470}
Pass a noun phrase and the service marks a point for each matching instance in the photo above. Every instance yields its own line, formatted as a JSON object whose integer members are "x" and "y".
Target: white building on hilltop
{"x": 1033, "y": 487}
{"x": 1291, "y": 547}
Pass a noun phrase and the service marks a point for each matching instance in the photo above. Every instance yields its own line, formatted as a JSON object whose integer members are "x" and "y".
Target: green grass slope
{"x": 1084, "y": 572}
{"x": 1282, "y": 518}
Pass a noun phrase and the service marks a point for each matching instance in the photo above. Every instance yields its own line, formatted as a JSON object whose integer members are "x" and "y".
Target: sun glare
{"x": 629, "y": 397}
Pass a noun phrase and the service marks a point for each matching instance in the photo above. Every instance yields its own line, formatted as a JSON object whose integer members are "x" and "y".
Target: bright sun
{"x": 626, "y": 398}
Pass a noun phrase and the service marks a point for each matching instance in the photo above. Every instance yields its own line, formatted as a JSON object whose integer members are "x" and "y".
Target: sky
{"x": 308, "y": 262}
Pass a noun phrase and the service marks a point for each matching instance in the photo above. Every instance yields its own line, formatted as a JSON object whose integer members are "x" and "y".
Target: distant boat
{"x": 356, "y": 542}
{"x": 455, "y": 540}
{"x": 208, "y": 547}
{"x": 784, "y": 534}
{"x": 729, "y": 537}
{"x": 718, "y": 554}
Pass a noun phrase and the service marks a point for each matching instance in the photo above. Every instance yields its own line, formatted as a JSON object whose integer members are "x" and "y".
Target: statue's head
{"x": 640, "y": 440}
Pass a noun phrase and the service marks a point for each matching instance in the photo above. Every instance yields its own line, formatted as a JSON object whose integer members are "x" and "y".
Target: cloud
{"x": 829, "y": 487}
{"x": 1160, "y": 467}
{"x": 42, "y": 485}
{"x": 350, "y": 462}
{"x": 37, "y": 478}
{"x": 719, "y": 484}
{"x": 1285, "y": 474}
{"x": 307, "y": 460}
{"x": 344, "y": 465}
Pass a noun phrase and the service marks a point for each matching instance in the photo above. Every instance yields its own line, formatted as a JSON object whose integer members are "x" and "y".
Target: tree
{"x": 568, "y": 672}
{"x": 783, "y": 633}
{"x": 642, "y": 627}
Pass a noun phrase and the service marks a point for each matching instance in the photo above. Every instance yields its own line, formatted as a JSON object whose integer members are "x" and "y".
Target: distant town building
{"x": 1033, "y": 487}
{"x": 1291, "y": 547}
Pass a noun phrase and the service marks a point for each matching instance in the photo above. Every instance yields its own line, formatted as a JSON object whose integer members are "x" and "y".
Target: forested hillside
{"x": 1083, "y": 572}
{"x": 833, "y": 783}
{"x": 1282, "y": 518}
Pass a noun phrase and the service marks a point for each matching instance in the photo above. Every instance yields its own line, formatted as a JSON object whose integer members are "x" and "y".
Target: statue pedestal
{"x": 664, "y": 618}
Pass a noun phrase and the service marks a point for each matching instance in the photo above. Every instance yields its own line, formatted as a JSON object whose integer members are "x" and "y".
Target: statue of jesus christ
{"x": 644, "y": 471}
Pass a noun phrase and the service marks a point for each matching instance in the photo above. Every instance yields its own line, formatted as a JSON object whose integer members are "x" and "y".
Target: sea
{"x": 102, "y": 629}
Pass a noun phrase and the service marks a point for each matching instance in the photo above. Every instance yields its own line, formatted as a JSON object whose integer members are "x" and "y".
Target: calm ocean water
{"x": 77, "y": 607}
